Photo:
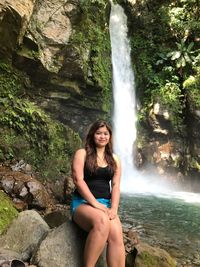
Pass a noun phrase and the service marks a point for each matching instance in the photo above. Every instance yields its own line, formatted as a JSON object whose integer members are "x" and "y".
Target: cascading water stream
{"x": 124, "y": 113}
{"x": 124, "y": 116}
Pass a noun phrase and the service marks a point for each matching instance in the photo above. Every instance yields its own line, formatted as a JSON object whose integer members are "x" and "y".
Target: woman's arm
{"x": 115, "y": 194}
{"x": 78, "y": 178}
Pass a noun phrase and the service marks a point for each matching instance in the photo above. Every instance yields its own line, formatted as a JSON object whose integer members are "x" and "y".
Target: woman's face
{"x": 101, "y": 137}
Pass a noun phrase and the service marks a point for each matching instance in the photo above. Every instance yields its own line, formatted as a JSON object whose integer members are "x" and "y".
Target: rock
{"x": 6, "y": 255}
{"x": 61, "y": 189}
{"x": 14, "y": 17}
{"x": 25, "y": 234}
{"x": 57, "y": 217}
{"x": 63, "y": 246}
{"x": 51, "y": 27}
{"x": 25, "y": 188}
{"x": 153, "y": 257}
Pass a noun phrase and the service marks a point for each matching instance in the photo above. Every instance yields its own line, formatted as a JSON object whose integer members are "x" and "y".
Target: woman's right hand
{"x": 100, "y": 207}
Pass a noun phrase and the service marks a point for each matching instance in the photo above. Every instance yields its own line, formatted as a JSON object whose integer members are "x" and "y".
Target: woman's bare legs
{"x": 97, "y": 223}
{"x": 115, "y": 248}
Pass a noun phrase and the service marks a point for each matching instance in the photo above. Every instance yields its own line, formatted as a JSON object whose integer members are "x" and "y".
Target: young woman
{"x": 94, "y": 204}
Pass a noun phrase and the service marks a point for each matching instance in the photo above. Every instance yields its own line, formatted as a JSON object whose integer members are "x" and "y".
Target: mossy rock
{"x": 149, "y": 256}
{"x": 7, "y": 212}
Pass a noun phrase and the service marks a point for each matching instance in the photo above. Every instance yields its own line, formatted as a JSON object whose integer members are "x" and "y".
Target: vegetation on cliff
{"x": 165, "y": 50}
{"x": 28, "y": 133}
{"x": 92, "y": 41}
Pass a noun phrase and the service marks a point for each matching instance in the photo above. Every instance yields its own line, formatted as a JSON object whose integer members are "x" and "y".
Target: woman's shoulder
{"x": 116, "y": 158}
{"x": 81, "y": 152}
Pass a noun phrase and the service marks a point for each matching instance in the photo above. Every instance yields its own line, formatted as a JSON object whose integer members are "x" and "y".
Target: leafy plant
{"x": 182, "y": 56}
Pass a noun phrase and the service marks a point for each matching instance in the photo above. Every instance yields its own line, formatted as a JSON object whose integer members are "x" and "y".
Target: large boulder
{"x": 63, "y": 247}
{"x": 25, "y": 234}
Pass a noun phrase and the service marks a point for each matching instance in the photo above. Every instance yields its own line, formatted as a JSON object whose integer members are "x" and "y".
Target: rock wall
{"x": 64, "y": 48}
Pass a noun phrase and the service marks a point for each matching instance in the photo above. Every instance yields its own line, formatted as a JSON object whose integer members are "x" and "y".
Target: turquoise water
{"x": 169, "y": 221}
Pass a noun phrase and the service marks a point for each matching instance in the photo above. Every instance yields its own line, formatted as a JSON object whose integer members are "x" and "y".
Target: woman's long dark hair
{"x": 90, "y": 147}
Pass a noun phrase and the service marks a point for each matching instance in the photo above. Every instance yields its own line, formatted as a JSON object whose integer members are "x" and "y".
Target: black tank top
{"x": 98, "y": 181}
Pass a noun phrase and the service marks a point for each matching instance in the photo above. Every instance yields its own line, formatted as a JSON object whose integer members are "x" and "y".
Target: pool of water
{"x": 171, "y": 221}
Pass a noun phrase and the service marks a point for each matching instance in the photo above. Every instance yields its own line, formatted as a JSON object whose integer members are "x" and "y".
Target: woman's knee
{"x": 115, "y": 233}
{"x": 101, "y": 223}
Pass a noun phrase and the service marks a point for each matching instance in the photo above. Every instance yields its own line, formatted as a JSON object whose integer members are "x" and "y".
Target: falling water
{"x": 124, "y": 113}
{"x": 124, "y": 116}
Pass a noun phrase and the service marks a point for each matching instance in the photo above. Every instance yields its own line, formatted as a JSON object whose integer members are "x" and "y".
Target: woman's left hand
{"x": 112, "y": 213}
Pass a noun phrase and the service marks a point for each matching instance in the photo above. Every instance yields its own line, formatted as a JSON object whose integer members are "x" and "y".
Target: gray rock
{"x": 25, "y": 234}
{"x": 6, "y": 254}
{"x": 63, "y": 247}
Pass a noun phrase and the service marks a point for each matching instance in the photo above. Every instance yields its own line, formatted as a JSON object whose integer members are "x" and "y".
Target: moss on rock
{"x": 149, "y": 256}
{"x": 92, "y": 41}
{"x": 7, "y": 212}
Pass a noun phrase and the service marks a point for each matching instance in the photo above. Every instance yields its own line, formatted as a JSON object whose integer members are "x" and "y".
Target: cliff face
{"x": 62, "y": 48}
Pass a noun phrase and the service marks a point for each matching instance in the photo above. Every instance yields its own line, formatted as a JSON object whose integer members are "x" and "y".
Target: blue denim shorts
{"x": 77, "y": 201}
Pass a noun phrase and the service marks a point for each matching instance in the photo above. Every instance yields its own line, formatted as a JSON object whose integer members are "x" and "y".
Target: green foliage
{"x": 63, "y": 141}
{"x": 182, "y": 56}
{"x": 192, "y": 87}
{"x": 24, "y": 117}
{"x": 92, "y": 42}
{"x": 20, "y": 114}
{"x": 164, "y": 42}
{"x": 86, "y": 3}
{"x": 26, "y": 132}
{"x": 7, "y": 212}
{"x": 10, "y": 81}
{"x": 170, "y": 94}
{"x": 183, "y": 16}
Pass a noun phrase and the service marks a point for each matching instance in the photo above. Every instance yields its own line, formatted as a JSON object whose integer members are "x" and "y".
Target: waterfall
{"x": 124, "y": 111}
